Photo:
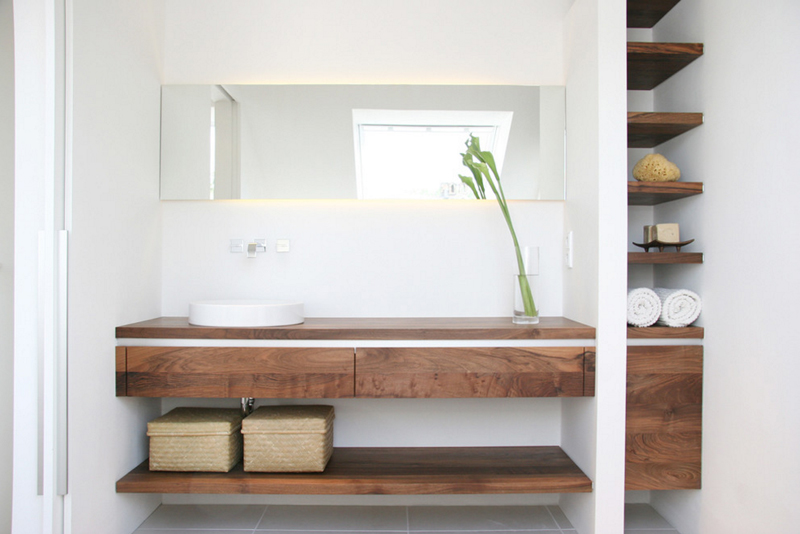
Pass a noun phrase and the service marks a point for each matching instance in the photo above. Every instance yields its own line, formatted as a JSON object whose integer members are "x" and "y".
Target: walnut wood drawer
{"x": 664, "y": 417}
{"x": 235, "y": 372}
{"x": 464, "y": 372}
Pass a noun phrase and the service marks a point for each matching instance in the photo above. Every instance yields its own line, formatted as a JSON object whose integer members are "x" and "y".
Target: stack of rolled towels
{"x": 667, "y": 307}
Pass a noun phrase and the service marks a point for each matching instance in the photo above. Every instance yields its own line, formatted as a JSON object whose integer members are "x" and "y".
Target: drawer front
{"x": 664, "y": 417}
{"x": 464, "y": 372}
{"x": 238, "y": 372}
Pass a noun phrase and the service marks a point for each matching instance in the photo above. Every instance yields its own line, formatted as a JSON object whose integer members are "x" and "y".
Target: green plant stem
{"x": 487, "y": 161}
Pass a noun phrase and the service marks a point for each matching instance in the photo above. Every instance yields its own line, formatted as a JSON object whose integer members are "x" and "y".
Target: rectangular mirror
{"x": 357, "y": 141}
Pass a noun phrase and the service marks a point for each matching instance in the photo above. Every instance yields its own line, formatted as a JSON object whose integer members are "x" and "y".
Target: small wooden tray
{"x": 661, "y": 244}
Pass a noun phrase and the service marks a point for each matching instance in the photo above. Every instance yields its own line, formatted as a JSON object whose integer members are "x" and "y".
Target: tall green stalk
{"x": 481, "y": 165}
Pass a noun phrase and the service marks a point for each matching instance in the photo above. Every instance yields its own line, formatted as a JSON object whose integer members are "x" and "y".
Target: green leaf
{"x": 468, "y": 181}
{"x": 470, "y": 164}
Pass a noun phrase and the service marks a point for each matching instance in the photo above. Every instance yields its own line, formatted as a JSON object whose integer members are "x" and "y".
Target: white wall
{"x": 593, "y": 430}
{"x": 745, "y": 84}
{"x": 29, "y": 176}
{"x": 115, "y": 257}
{"x": 364, "y": 41}
{"x": 360, "y": 259}
{"x": 6, "y": 258}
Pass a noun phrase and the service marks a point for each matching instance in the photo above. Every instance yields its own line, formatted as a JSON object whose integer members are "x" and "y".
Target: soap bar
{"x": 668, "y": 233}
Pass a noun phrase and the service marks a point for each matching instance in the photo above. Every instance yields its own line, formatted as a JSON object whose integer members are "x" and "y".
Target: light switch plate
{"x": 568, "y": 249}
{"x": 237, "y": 246}
{"x": 282, "y": 245}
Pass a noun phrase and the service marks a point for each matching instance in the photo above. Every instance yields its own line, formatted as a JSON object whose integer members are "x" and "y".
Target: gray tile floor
{"x": 219, "y": 519}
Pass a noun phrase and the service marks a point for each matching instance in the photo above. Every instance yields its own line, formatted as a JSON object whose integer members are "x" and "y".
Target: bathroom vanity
{"x": 367, "y": 358}
{"x": 407, "y": 358}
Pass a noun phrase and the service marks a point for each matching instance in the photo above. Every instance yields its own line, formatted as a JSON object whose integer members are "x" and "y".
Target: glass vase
{"x": 526, "y": 308}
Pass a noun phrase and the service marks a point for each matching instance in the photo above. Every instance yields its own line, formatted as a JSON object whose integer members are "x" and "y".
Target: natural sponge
{"x": 656, "y": 168}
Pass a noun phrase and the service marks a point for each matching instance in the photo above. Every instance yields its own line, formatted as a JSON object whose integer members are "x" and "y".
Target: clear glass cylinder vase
{"x": 526, "y": 308}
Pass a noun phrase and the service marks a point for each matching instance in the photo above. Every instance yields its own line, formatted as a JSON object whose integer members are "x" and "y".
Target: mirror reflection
{"x": 356, "y": 141}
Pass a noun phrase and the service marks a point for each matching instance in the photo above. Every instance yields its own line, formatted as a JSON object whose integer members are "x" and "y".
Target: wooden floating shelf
{"x": 649, "y": 129}
{"x": 653, "y": 193}
{"x": 372, "y": 328}
{"x": 646, "y": 13}
{"x": 384, "y": 471}
{"x": 665, "y": 257}
{"x": 665, "y": 332}
{"x": 649, "y": 64}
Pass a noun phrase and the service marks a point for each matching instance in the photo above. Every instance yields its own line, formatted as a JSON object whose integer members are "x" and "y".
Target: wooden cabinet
{"x": 299, "y": 373}
{"x": 664, "y": 417}
{"x": 470, "y": 372}
{"x": 264, "y": 372}
{"x": 367, "y": 372}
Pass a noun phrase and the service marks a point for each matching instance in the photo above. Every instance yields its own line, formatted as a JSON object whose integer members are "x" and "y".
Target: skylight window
{"x": 415, "y": 154}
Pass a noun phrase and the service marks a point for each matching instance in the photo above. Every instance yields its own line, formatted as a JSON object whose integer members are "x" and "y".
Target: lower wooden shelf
{"x": 382, "y": 471}
{"x": 665, "y": 332}
{"x": 665, "y": 257}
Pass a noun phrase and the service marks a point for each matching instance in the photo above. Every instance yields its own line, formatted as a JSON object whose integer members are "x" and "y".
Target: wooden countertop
{"x": 437, "y": 328}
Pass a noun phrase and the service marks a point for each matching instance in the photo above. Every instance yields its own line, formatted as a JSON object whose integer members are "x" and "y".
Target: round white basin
{"x": 245, "y": 312}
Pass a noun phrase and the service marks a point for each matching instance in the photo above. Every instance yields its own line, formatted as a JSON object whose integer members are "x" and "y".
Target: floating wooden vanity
{"x": 227, "y": 362}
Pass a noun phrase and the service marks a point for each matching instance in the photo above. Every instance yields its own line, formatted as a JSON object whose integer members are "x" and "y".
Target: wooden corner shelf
{"x": 664, "y": 257}
{"x": 649, "y": 129}
{"x": 646, "y": 13}
{"x": 397, "y": 471}
{"x": 649, "y": 64}
{"x": 665, "y": 332}
{"x": 653, "y": 193}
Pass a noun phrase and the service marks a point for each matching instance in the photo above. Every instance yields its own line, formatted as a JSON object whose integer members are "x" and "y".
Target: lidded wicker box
{"x": 196, "y": 439}
{"x": 288, "y": 438}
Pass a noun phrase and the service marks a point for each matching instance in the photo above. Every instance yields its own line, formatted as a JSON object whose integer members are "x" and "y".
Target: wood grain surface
{"x": 377, "y": 471}
{"x": 655, "y": 258}
{"x": 665, "y": 332}
{"x": 664, "y": 417}
{"x": 239, "y": 372}
{"x": 465, "y": 372}
{"x": 589, "y": 372}
{"x": 649, "y": 64}
{"x": 650, "y": 129}
{"x": 367, "y": 329}
{"x": 654, "y": 193}
{"x": 121, "y": 370}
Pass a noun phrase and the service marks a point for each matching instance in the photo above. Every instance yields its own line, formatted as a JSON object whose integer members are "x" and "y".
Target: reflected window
{"x": 415, "y": 154}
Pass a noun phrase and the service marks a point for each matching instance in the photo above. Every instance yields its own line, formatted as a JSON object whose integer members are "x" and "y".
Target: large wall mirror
{"x": 357, "y": 141}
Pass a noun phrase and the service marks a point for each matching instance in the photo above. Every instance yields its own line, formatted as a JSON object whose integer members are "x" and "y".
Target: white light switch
{"x": 237, "y": 246}
{"x": 282, "y": 245}
{"x": 568, "y": 250}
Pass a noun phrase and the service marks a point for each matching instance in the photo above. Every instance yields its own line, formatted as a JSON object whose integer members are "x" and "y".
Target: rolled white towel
{"x": 679, "y": 307}
{"x": 644, "y": 307}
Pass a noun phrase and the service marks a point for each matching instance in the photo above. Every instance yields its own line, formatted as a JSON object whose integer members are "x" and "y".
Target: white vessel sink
{"x": 245, "y": 313}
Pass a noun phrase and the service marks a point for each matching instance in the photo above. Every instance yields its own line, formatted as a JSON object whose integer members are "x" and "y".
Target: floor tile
{"x": 493, "y": 531}
{"x": 479, "y": 518}
{"x": 192, "y": 531}
{"x": 323, "y": 532}
{"x": 561, "y": 519}
{"x": 184, "y": 516}
{"x": 366, "y": 518}
{"x": 643, "y": 517}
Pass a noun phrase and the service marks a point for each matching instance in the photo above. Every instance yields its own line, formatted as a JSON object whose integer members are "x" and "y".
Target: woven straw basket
{"x": 196, "y": 439}
{"x": 288, "y": 439}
